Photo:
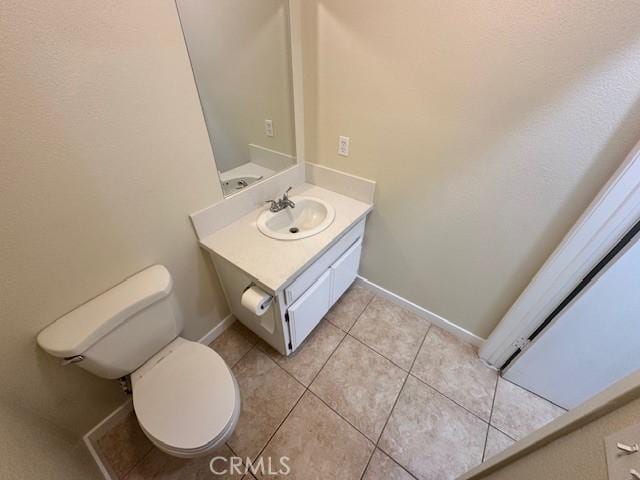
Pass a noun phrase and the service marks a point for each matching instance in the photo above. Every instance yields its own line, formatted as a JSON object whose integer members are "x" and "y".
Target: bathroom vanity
{"x": 299, "y": 261}
{"x": 304, "y": 276}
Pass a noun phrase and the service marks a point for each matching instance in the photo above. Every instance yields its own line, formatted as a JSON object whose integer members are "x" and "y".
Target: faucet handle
{"x": 274, "y": 205}
{"x": 286, "y": 201}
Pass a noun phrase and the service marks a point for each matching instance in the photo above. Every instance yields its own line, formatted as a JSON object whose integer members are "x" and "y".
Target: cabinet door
{"x": 344, "y": 271}
{"x": 319, "y": 266}
{"x": 309, "y": 309}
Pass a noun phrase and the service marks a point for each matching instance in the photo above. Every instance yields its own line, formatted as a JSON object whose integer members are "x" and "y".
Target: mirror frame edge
{"x": 295, "y": 34}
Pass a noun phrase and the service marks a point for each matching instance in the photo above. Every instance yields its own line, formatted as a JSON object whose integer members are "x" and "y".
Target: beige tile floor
{"x": 375, "y": 392}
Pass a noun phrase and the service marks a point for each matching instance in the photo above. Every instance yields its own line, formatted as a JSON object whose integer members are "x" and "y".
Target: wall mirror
{"x": 240, "y": 52}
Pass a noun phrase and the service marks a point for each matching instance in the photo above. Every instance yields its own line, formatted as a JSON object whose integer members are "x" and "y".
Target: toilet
{"x": 185, "y": 397}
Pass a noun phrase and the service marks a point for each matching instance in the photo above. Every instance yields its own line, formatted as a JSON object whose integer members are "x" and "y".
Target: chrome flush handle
{"x": 69, "y": 360}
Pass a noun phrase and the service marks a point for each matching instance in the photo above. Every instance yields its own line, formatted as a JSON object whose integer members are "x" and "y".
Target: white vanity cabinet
{"x": 304, "y": 299}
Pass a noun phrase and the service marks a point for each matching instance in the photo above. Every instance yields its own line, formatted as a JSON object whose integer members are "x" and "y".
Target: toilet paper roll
{"x": 256, "y": 300}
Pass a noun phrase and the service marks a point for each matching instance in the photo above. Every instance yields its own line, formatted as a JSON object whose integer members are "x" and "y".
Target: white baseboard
{"x": 216, "y": 331}
{"x": 435, "y": 319}
{"x": 127, "y": 406}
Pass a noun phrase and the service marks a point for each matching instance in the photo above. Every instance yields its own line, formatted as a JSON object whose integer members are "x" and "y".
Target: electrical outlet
{"x": 343, "y": 146}
{"x": 268, "y": 128}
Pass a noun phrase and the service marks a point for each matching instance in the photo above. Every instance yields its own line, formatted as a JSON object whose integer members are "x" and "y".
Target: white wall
{"x": 489, "y": 127}
{"x": 104, "y": 156}
{"x": 242, "y": 62}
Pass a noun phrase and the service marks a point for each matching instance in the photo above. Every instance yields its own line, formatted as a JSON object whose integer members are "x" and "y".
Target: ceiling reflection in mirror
{"x": 240, "y": 54}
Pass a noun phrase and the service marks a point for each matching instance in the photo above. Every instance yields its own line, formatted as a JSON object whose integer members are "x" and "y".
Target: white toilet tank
{"x": 119, "y": 330}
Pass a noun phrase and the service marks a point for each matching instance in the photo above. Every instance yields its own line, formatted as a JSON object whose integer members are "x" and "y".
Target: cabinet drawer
{"x": 309, "y": 309}
{"x": 344, "y": 271}
{"x": 319, "y": 266}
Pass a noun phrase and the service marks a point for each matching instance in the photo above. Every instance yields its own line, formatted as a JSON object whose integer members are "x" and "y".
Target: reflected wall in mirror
{"x": 240, "y": 52}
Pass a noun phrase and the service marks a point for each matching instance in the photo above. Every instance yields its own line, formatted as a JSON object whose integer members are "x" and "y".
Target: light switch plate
{"x": 619, "y": 463}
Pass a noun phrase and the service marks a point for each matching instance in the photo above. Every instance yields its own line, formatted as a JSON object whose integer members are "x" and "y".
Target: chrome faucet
{"x": 282, "y": 203}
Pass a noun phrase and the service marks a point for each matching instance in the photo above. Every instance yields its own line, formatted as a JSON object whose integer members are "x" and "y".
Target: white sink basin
{"x": 309, "y": 217}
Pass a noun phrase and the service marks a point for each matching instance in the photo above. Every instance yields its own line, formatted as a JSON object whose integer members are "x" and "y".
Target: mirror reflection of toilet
{"x": 185, "y": 396}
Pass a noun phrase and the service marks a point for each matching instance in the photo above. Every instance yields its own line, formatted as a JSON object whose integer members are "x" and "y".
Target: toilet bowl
{"x": 186, "y": 399}
{"x": 185, "y": 396}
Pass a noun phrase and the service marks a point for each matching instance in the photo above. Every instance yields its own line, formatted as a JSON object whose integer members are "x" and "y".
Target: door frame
{"x": 607, "y": 219}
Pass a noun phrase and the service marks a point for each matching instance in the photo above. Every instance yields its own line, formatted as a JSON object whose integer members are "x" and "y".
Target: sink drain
{"x": 294, "y": 230}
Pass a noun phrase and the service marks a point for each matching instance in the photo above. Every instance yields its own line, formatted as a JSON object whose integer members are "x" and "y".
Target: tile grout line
{"x": 459, "y": 405}
{"x": 245, "y": 354}
{"x": 339, "y": 343}
{"x": 324, "y": 364}
{"x": 493, "y": 406}
{"x": 404, "y": 383}
{"x": 414, "y": 477}
{"x": 463, "y": 407}
{"x": 255, "y": 346}
{"x": 379, "y": 353}
{"x": 535, "y": 394}
{"x": 407, "y": 374}
{"x": 126, "y": 475}
{"x": 306, "y": 388}
{"x": 361, "y": 313}
{"x": 449, "y": 398}
{"x": 348, "y": 334}
{"x": 493, "y": 402}
{"x": 266, "y": 444}
{"x": 355, "y": 320}
{"x": 396, "y": 403}
{"x": 343, "y": 418}
{"x": 507, "y": 435}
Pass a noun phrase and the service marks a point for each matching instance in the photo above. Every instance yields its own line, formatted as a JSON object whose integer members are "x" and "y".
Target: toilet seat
{"x": 186, "y": 399}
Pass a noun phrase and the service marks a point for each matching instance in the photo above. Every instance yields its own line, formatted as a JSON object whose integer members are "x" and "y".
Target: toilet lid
{"x": 187, "y": 399}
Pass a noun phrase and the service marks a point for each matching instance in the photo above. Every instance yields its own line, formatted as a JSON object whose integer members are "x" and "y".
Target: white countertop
{"x": 274, "y": 263}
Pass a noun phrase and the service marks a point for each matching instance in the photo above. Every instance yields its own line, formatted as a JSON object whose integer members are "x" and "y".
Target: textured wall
{"x": 104, "y": 155}
{"x": 242, "y": 61}
{"x": 577, "y": 455}
{"x": 489, "y": 127}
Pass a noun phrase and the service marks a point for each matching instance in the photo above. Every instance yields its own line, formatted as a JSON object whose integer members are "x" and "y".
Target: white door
{"x": 593, "y": 343}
